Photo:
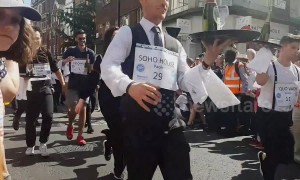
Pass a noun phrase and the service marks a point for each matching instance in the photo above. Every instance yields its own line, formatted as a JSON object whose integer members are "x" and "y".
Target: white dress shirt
{"x": 119, "y": 49}
{"x": 198, "y": 82}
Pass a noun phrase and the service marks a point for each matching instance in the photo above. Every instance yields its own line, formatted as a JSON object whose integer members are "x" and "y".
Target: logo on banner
{"x": 140, "y": 67}
{"x": 278, "y": 95}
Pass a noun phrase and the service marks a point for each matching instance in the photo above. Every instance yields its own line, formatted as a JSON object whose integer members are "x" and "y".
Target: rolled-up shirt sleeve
{"x": 182, "y": 67}
{"x": 115, "y": 55}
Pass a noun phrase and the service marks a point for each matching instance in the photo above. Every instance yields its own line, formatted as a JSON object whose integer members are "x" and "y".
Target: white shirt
{"x": 284, "y": 75}
{"x": 21, "y": 95}
{"x": 119, "y": 49}
{"x": 182, "y": 101}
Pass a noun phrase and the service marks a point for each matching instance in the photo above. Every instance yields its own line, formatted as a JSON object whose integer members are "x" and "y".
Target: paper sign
{"x": 77, "y": 66}
{"x": 261, "y": 61}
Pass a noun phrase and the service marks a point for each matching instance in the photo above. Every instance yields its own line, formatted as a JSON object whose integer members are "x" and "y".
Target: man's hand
{"x": 212, "y": 51}
{"x": 142, "y": 92}
{"x": 262, "y": 78}
{"x": 79, "y": 106}
{"x": 68, "y": 59}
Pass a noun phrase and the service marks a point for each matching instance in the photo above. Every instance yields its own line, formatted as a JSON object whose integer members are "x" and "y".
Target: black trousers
{"x": 90, "y": 109}
{"x": 110, "y": 108}
{"x": 39, "y": 100}
{"x": 277, "y": 139}
{"x": 22, "y": 104}
{"x": 57, "y": 92}
{"x": 148, "y": 145}
{"x": 246, "y": 113}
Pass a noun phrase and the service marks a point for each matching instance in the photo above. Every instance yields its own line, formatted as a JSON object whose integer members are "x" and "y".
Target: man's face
{"x": 155, "y": 9}
{"x": 219, "y": 61}
{"x": 81, "y": 39}
{"x": 290, "y": 50}
{"x": 197, "y": 61}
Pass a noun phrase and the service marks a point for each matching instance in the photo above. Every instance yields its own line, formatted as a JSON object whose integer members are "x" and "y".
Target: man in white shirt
{"x": 279, "y": 94}
{"x": 132, "y": 68}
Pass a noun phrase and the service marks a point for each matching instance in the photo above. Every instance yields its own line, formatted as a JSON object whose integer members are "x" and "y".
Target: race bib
{"x": 42, "y": 69}
{"x": 78, "y": 66}
{"x": 286, "y": 94}
{"x": 155, "y": 65}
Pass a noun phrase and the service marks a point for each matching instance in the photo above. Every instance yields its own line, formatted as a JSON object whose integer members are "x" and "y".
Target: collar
{"x": 85, "y": 49}
{"x": 148, "y": 25}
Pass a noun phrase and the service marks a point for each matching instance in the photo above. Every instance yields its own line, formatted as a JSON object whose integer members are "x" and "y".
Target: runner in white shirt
{"x": 279, "y": 94}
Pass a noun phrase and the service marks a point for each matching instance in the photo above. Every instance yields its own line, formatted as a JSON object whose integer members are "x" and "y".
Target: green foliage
{"x": 84, "y": 18}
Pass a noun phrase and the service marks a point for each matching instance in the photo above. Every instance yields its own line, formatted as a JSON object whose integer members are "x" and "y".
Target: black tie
{"x": 166, "y": 107}
{"x": 157, "y": 36}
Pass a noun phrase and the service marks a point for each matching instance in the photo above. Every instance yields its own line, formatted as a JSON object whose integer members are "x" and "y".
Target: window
{"x": 43, "y": 7}
{"x": 281, "y": 4}
{"x": 139, "y": 15}
{"x": 105, "y": 2}
{"x": 40, "y": 8}
{"x": 107, "y": 25}
{"x": 125, "y": 20}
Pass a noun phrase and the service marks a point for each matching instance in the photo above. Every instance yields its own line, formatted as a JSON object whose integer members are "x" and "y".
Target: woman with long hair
{"x": 109, "y": 106}
{"x": 16, "y": 46}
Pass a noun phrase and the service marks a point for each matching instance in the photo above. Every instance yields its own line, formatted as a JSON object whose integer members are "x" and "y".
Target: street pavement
{"x": 213, "y": 157}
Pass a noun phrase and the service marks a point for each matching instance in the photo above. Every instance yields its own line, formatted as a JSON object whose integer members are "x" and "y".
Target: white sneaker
{"x": 43, "y": 150}
{"x": 29, "y": 151}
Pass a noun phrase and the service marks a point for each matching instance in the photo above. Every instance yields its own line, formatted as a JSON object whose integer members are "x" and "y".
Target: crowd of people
{"x": 143, "y": 94}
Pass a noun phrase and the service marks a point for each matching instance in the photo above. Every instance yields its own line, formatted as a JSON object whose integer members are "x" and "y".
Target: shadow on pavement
{"x": 63, "y": 153}
{"x": 241, "y": 151}
{"x": 237, "y": 150}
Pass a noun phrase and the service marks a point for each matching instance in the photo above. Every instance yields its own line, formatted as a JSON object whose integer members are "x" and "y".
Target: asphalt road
{"x": 213, "y": 157}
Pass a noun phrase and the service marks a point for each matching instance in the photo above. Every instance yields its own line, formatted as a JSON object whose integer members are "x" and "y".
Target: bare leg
{"x": 82, "y": 119}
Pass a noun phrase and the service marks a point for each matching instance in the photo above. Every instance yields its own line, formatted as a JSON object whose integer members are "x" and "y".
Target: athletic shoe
{"x": 107, "y": 150}
{"x": 260, "y": 156}
{"x": 43, "y": 150}
{"x": 70, "y": 132}
{"x": 16, "y": 123}
{"x": 29, "y": 151}
{"x": 81, "y": 141}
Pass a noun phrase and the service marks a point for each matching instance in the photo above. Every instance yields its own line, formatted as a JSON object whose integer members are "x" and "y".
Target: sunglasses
{"x": 81, "y": 39}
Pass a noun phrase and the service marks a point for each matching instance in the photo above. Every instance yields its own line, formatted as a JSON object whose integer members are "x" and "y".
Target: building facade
{"x": 187, "y": 14}
{"x": 49, "y": 23}
{"x": 111, "y": 13}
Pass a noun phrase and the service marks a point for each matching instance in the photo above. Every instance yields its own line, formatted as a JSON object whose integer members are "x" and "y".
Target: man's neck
{"x": 154, "y": 21}
{"x": 285, "y": 61}
{"x": 81, "y": 48}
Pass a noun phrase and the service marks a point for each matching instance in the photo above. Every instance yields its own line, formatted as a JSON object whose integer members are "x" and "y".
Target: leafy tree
{"x": 82, "y": 16}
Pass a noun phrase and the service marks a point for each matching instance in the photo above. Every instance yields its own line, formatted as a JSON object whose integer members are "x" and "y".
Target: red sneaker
{"x": 70, "y": 132}
{"x": 81, "y": 141}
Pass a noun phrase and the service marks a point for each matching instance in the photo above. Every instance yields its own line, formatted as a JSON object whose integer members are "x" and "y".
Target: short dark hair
{"x": 230, "y": 56}
{"x": 108, "y": 35}
{"x": 201, "y": 55}
{"x": 37, "y": 29}
{"x": 290, "y": 38}
{"x": 81, "y": 31}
